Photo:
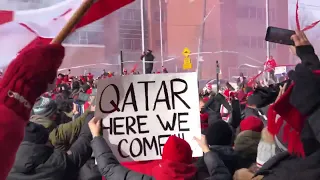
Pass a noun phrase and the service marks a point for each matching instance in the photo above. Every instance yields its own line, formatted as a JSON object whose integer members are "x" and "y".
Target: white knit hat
{"x": 265, "y": 152}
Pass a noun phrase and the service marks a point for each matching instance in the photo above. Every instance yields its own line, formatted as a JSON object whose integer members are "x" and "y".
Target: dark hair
{"x": 60, "y": 74}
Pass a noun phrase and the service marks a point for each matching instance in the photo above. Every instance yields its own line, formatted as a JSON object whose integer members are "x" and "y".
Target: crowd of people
{"x": 267, "y": 132}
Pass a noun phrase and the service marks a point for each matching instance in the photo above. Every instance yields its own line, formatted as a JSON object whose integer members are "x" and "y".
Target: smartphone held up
{"x": 279, "y": 35}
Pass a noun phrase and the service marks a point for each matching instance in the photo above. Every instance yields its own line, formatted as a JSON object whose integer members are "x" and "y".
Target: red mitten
{"x": 28, "y": 76}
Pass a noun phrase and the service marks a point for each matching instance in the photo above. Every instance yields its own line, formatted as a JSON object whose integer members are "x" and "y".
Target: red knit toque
{"x": 28, "y": 77}
{"x": 204, "y": 121}
{"x": 177, "y": 150}
{"x": 251, "y": 123}
{"x": 205, "y": 99}
{"x": 294, "y": 122}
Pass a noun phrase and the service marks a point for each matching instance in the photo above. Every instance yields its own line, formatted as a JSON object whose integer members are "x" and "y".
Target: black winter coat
{"x": 224, "y": 153}
{"x": 41, "y": 162}
{"x": 286, "y": 166}
{"x": 212, "y": 107}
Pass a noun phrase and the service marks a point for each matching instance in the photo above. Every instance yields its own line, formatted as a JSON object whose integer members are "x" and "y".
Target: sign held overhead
{"x": 142, "y": 111}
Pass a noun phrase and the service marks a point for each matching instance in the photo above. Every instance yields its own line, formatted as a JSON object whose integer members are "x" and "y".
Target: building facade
{"x": 234, "y": 33}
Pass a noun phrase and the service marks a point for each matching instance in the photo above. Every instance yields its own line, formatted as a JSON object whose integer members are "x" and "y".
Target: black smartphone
{"x": 279, "y": 35}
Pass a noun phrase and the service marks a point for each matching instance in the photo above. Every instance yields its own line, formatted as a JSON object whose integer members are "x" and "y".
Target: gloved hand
{"x": 28, "y": 76}
{"x": 305, "y": 95}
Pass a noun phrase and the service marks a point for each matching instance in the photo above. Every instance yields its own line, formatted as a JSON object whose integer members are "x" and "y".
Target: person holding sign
{"x": 176, "y": 163}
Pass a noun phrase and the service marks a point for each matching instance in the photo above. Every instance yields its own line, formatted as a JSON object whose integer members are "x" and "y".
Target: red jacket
{"x": 23, "y": 78}
{"x": 11, "y": 134}
{"x": 270, "y": 64}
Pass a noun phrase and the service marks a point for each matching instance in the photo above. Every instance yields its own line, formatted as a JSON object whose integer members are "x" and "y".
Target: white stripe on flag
{"x": 27, "y": 28}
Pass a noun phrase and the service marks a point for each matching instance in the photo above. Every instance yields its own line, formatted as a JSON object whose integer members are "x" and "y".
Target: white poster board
{"x": 280, "y": 70}
{"x": 150, "y": 108}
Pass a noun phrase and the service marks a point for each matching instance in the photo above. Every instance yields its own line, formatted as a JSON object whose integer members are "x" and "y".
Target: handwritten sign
{"x": 280, "y": 70}
{"x": 140, "y": 112}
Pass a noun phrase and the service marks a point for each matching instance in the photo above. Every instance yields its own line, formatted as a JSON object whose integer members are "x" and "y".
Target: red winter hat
{"x": 250, "y": 93}
{"x": 177, "y": 150}
{"x": 204, "y": 121}
{"x": 90, "y": 76}
{"x": 66, "y": 79}
{"x": 58, "y": 82}
{"x": 226, "y": 93}
{"x": 82, "y": 78}
{"x": 206, "y": 99}
{"x": 251, "y": 123}
{"x": 28, "y": 76}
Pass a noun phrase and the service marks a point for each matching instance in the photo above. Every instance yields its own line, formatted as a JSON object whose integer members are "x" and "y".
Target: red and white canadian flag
{"x": 20, "y": 30}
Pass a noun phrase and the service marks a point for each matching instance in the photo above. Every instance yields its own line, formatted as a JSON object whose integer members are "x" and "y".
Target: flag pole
{"x": 142, "y": 35}
{"x": 267, "y": 25}
{"x": 201, "y": 36}
{"x": 75, "y": 18}
{"x": 161, "y": 33}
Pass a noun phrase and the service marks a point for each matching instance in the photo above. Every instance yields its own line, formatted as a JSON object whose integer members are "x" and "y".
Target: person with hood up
{"x": 26, "y": 78}
{"x": 37, "y": 159}
{"x": 219, "y": 137}
{"x": 297, "y": 113}
{"x": 176, "y": 163}
{"x": 61, "y": 136}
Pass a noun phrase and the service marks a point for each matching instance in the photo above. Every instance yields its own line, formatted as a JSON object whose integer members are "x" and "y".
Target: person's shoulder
{"x": 58, "y": 159}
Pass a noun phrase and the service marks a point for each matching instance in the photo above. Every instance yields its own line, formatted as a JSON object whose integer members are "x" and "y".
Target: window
{"x": 96, "y": 38}
{"x": 136, "y": 14}
{"x": 137, "y": 44}
{"x": 130, "y": 44}
{"x": 261, "y": 42}
{"x": 244, "y": 41}
{"x": 260, "y": 14}
{"x": 253, "y": 42}
{"x": 157, "y": 16}
{"x": 131, "y": 14}
{"x": 158, "y": 43}
{"x": 256, "y": 13}
{"x": 127, "y": 15}
{"x": 252, "y": 12}
{"x": 272, "y": 15}
{"x": 127, "y": 44}
{"x": 243, "y": 12}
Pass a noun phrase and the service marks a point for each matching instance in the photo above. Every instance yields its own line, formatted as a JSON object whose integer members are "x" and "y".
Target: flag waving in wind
{"x": 20, "y": 30}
